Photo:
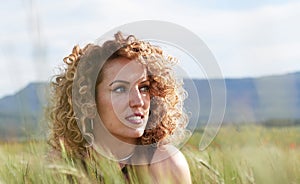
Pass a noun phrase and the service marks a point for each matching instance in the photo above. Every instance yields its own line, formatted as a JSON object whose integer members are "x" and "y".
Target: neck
{"x": 126, "y": 139}
{"x": 111, "y": 145}
{"x": 123, "y": 148}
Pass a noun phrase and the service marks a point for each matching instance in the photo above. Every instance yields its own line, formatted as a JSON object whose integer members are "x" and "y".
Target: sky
{"x": 247, "y": 38}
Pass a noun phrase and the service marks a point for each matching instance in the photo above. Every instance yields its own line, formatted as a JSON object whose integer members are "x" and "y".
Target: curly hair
{"x": 81, "y": 74}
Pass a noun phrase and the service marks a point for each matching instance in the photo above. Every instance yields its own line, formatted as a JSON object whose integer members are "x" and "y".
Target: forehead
{"x": 124, "y": 68}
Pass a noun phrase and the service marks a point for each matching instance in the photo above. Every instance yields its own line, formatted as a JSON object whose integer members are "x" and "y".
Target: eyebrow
{"x": 121, "y": 81}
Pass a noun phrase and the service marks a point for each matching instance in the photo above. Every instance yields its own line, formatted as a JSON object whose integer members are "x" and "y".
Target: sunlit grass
{"x": 249, "y": 154}
{"x": 239, "y": 154}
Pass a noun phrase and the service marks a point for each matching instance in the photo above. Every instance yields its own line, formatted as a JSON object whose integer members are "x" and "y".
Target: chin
{"x": 138, "y": 132}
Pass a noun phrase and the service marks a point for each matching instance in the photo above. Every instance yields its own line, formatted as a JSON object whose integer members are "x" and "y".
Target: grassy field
{"x": 239, "y": 154}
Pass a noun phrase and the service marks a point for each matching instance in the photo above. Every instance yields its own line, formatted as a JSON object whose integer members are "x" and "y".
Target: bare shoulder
{"x": 170, "y": 164}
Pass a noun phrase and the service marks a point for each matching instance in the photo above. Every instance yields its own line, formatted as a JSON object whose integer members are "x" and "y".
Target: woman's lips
{"x": 136, "y": 118}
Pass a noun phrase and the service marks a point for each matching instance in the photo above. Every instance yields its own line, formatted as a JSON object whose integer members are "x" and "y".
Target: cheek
{"x": 103, "y": 104}
{"x": 146, "y": 100}
{"x": 105, "y": 111}
{"x": 118, "y": 105}
{"x": 146, "y": 108}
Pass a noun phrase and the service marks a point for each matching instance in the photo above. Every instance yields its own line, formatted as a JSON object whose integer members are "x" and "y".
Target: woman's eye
{"x": 120, "y": 89}
{"x": 145, "y": 88}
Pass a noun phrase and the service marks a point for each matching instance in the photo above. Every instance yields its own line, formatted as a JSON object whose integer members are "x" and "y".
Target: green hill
{"x": 270, "y": 99}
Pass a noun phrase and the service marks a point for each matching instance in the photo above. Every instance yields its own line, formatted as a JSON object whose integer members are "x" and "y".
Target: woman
{"x": 121, "y": 100}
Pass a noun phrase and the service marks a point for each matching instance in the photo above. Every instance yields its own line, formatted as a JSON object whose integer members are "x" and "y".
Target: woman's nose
{"x": 135, "y": 98}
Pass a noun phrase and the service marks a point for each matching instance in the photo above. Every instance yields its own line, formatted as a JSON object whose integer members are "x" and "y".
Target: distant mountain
{"x": 252, "y": 99}
{"x": 21, "y": 112}
{"x": 247, "y": 100}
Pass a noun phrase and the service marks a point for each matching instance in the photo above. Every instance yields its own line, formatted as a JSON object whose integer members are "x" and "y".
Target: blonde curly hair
{"x": 167, "y": 120}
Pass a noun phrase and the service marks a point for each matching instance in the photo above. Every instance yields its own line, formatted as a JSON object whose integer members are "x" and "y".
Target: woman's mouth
{"x": 136, "y": 118}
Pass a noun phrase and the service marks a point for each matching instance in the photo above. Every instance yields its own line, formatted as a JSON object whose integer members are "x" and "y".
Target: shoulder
{"x": 169, "y": 163}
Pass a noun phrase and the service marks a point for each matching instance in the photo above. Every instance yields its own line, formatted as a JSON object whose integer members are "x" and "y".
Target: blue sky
{"x": 248, "y": 38}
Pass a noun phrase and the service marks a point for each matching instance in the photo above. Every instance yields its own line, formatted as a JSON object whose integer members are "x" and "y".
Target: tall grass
{"x": 239, "y": 154}
{"x": 248, "y": 154}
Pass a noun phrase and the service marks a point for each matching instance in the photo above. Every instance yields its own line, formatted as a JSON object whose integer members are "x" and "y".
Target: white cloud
{"x": 242, "y": 40}
{"x": 254, "y": 42}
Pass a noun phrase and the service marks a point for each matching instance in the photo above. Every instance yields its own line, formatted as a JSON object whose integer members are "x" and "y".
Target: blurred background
{"x": 255, "y": 43}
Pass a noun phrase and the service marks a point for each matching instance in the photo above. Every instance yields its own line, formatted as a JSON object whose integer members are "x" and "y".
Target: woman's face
{"x": 123, "y": 98}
